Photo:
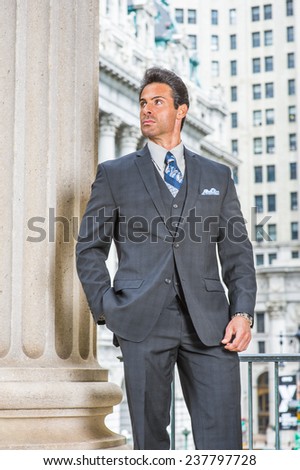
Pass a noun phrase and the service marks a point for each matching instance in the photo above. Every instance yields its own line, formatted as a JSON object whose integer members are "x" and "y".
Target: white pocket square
{"x": 210, "y": 192}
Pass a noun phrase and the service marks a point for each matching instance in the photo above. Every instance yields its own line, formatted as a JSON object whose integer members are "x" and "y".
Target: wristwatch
{"x": 101, "y": 320}
{"x": 244, "y": 315}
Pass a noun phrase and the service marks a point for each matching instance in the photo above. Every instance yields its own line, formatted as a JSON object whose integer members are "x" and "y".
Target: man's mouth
{"x": 148, "y": 121}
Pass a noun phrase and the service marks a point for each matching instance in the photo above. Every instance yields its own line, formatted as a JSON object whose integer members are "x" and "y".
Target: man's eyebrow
{"x": 153, "y": 98}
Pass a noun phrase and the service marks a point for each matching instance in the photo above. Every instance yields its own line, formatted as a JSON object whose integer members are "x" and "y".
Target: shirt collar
{"x": 158, "y": 153}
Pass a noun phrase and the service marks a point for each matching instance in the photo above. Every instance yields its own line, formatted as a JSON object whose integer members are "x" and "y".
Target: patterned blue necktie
{"x": 173, "y": 176}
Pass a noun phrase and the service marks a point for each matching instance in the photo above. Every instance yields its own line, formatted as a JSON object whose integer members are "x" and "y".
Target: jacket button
{"x": 168, "y": 281}
{"x": 175, "y": 206}
{"x": 176, "y": 245}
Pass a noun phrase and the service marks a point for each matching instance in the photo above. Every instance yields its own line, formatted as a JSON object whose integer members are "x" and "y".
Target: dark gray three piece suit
{"x": 167, "y": 304}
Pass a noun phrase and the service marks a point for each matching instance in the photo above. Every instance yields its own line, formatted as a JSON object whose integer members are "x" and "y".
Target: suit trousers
{"x": 210, "y": 381}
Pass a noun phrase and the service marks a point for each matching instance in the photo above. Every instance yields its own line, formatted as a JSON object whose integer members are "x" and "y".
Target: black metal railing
{"x": 277, "y": 359}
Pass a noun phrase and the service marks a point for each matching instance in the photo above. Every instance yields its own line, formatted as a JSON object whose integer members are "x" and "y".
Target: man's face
{"x": 158, "y": 117}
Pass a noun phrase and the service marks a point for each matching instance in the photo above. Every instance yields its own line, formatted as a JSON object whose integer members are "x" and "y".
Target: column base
{"x": 58, "y": 415}
{"x": 64, "y": 433}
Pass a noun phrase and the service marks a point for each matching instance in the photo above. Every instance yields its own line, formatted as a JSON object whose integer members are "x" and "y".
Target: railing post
{"x": 250, "y": 405}
{"x": 276, "y": 403}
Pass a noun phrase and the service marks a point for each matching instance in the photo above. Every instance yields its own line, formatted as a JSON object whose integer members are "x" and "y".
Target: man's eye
{"x": 158, "y": 101}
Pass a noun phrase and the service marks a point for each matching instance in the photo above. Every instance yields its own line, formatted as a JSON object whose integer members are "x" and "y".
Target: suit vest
{"x": 173, "y": 211}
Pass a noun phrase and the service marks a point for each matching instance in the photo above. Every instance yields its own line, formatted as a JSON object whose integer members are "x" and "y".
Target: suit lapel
{"x": 193, "y": 173}
{"x": 146, "y": 169}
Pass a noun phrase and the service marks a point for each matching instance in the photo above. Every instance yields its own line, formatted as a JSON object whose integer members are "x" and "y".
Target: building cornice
{"x": 220, "y": 153}
{"x": 269, "y": 270}
{"x": 118, "y": 73}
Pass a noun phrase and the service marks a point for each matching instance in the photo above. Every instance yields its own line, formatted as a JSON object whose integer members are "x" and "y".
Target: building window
{"x": 259, "y": 260}
{"x": 293, "y": 171}
{"x": 256, "y": 91}
{"x": 268, "y": 64}
{"x": 259, "y": 233}
{"x": 268, "y": 36}
{"x": 255, "y": 13}
{"x": 271, "y": 202}
{"x": 272, "y": 257}
{"x": 232, "y": 16}
{"x": 294, "y": 201}
{"x": 233, "y": 67}
{"x": 234, "y": 147}
{"x": 192, "y": 16}
{"x": 294, "y": 231}
{"x": 293, "y": 142}
{"x": 215, "y": 68}
{"x": 292, "y": 113}
{"x": 291, "y": 60}
{"x": 258, "y": 204}
{"x": 256, "y": 65}
{"x": 270, "y": 116}
{"x": 289, "y": 8}
{"x": 214, "y": 45}
{"x": 292, "y": 87}
{"x": 257, "y": 145}
{"x": 261, "y": 347}
{"x": 272, "y": 232}
{"x": 271, "y": 175}
{"x": 179, "y": 15}
{"x": 192, "y": 41}
{"x": 235, "y": 175}
{"x": 214, "y": 17}
{"x": 269, "y": 90}
{"x": 267, "y": 12}
{"x": 234, "y": 120}
{"x": 256, "y": 39}
{"x": 295, "y": 254}
{"x": 258, "y": 174}
{"x": 257, "y": 118}
{"x": 233, "y": 42}
{"x": 263, "y": 406}
{"x": 260, "y": 322}
{"x": 270, "y": 144}
{"x": 233, "y": 92}
{"x": 290, "y": 36}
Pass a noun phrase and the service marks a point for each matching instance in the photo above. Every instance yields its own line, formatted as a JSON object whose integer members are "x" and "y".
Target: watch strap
{"x": 244, "y": 315}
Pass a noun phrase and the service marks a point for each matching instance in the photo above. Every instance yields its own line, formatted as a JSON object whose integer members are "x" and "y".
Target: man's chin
{"x": 147, "y": 133}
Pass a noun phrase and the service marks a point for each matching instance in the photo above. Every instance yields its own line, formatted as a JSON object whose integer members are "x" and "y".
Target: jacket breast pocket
{"x": 208, "y": 206}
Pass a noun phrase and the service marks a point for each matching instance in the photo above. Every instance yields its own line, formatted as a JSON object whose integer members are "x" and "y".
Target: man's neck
{"x": 168, "y": 144}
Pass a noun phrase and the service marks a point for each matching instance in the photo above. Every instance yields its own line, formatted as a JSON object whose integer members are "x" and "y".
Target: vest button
{"x": 176, "y": 245}
{"x": 168, "y": 281}
{"x": 175, "y": 206}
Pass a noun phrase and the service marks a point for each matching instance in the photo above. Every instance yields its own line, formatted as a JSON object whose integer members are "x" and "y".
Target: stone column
{"x": 53, "y": 393}
{"x": 107, "y": 136}
{"x": 129, "y": 137}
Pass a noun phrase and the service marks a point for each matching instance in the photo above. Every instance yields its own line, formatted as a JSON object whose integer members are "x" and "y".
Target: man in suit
{"x": 175, "y": 218}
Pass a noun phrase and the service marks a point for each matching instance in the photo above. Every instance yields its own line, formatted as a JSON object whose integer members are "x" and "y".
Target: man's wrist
{"x": 101, "y": 320}
{"x": 245, "y": 315}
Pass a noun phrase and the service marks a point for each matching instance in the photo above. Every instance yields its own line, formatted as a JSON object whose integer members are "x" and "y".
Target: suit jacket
{"x": 125, "y": 205}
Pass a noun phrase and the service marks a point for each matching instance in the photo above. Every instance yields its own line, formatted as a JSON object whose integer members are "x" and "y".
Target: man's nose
{"x": 147, "y": 109}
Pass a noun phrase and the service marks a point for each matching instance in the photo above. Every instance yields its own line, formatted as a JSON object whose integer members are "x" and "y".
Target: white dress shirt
{"x": 158, "y": 155}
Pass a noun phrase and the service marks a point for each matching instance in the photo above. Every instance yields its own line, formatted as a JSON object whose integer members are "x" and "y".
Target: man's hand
{"x": 237, "y": 335}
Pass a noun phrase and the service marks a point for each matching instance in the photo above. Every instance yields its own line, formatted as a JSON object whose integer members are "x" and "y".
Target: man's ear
{"x": 182, "y": 111}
